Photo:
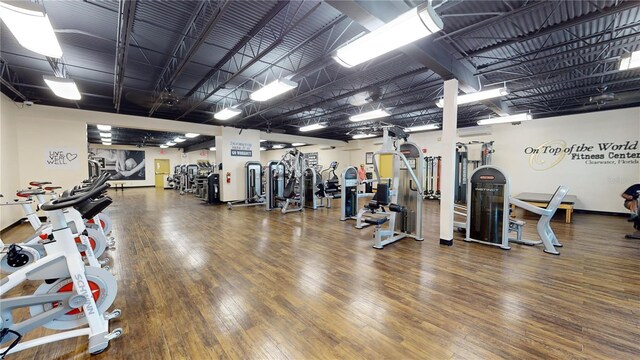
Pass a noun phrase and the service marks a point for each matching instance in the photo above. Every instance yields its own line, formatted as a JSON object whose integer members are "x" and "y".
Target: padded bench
{"x": 118, "y": 183}
{"x": 542, "y": 200}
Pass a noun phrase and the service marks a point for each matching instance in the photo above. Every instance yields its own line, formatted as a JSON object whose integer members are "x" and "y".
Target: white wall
{"x": 9, "y": 168}
{"x": 597, "y": 186}
{"x": 228, "y": 141}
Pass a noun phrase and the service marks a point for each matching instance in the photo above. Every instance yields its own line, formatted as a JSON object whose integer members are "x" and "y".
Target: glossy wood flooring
{"x": 202, "y": 282}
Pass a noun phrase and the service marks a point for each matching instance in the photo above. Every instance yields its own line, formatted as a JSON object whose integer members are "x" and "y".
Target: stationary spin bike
{"x": 72, "y": 295}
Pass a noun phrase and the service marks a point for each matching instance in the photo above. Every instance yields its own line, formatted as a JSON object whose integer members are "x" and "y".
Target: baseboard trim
{"x": 596, "y": 212}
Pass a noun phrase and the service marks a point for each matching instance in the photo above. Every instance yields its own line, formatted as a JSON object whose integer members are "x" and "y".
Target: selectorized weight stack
{"x": 488, "y": 207}
{"x": 274, "y": 184}
{"x": 349, "y": 194}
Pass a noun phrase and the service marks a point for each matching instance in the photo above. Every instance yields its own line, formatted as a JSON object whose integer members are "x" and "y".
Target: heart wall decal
{"x": 71, "y": 156}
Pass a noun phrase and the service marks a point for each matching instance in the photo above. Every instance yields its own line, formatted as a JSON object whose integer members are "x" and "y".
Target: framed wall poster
{"x": 369, "y": 158}
{"x": 122, "y": 164}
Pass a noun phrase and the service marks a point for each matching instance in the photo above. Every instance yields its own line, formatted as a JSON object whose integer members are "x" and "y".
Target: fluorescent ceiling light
{"x": 312, "y": 127}
{"x": 106, "y": 143}
{"x": 227, "y": 113}
{"x": 630, "y": 61}
{"x": 279, "y": 146}
{"x": 31, "y": 27}
{"x": 362, "y": 136}
{"x": 370, "y": 115}
{"x": 170, "y": 143}
{"x": 263, "y": 148}
{"x": 506, "y": 119}
{"x": 262, "y": 140}
{"x": 164, "y": 146}
{"x": 105, "y": 135}
{"x": 298, "y": 144}
{"x": 477, "y": 96}
{"x": 406, "y": 28}
{"x": 273, "y": 89}
{"x": 191, "y": 135}
{"x": 423, "y": 127}
{"x": 104, "y": 127}
{"x": 64, "y": 88}
{"x": 179, "y": 139}
{"x": 212, "y": 149}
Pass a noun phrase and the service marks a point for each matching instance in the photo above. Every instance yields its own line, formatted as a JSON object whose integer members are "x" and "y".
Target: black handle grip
{"x": 70, "y": 201}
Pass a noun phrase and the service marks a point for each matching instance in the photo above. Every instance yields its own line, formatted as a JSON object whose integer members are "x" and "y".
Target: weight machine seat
{"x": 376, "y": 220}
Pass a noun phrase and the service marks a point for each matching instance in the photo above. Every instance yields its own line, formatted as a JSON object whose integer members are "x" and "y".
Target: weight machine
{"x": 253, "y": 186}
{"x": 285, "y": 182}
{"x": 474, "y": 153}
{"x": 432, "y": 183}
{"x": 402, "y": 195}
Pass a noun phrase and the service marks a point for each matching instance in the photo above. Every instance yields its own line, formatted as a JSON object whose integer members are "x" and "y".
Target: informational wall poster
{"x": 239, "y": 148}
{"x": 312, "y": 158}
{"x": 61, "y": 158}
{"x": 122, "y": 164}
{"x": 552, "y": 153}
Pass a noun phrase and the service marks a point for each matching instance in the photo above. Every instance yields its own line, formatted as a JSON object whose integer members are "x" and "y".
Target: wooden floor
{"x": 203, "y": 282}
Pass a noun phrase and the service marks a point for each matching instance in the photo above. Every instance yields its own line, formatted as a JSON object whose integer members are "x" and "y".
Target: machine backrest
{"x": 557, "y": 198}
{"x": 289, "y": 188}
{"x": 382, "y": 194}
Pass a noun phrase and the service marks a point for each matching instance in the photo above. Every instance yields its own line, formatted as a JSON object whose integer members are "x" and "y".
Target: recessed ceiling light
{"x": 191, "y": 135}
{"x": 298, "y": 144}
{"x": 31, "y": 27}
{"x": 263, "y": 148}
{"x": 506, "y": 119}
{"x": 105, "y": 135}
{"x": 312, "y": 127}
{"x": 106, "y": 143}
{"x": 477, "y": 96}
{"x": 227, "y": 113}
{"x": 164, "y": 146}
{"x": 423, "y": 127}
{"x": 62, "y": 87}
{"x": 273, "y": 89}
{"x": 104, "y": 127}
{"x": 262, "y": 140}
{"x": 278, "y": 146}
{"x": 362, "y": 136}
{"x": 212, "y": 149}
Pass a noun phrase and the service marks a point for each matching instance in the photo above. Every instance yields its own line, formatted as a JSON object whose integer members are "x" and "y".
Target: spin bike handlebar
{"x": 74, "y": 200}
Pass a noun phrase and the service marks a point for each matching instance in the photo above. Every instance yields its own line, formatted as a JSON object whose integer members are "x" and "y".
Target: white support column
{"x": 447, "y": 174}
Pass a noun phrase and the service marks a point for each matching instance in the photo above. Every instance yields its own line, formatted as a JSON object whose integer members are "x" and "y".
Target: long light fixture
{"x": 506, "y": 119}
{"x": 262, "y": 140}
{"x": 212, "y": 149}
{"x": 273, "y": 89}
{"x": 64, "y": 88}
{"x": 179, "y": 139}
{"x": 31, "y": 27}
{"x": 227, "y": 113}
{"x": 164, "y": 146}
{"x": 279, "y": 146}
{"x": 423, "y": 127}
{"x": 406, "y": 28}
{"x": 105, "y": 135}
{"x": 170, "y": 143}
{"x": 106, "y": 143}
{"x": 104, "y": 127}
{"x": 375, "y": 114}
{"x": 630, "y": 62}
{"x": 362, "y": 136}
{"x": 191, "y": 135}
{"x": 312, "y": 127}
{"x": 262, "y": 148}
{"x": 477, "y": 96}
{"x": 298, "y": 144}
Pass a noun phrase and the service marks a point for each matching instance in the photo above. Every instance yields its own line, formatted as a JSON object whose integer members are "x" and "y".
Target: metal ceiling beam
{"x": 208, "y": 85}
{"x": 435, "y": 56}
{"x": 126, "y": 14}
{"x": 200, "y": 146}
{"x": 186, "y": 49}
{"x": 8, "y": 78}
{"x": 595, "y": 15}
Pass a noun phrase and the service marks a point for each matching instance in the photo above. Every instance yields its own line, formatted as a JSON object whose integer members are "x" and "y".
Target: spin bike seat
{"x": 39, "y": 183}
{"x": 29, "y": 192}
{"x": 51, "y": 188}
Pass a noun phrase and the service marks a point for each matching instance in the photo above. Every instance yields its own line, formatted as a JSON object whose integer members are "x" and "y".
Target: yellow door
{"x": 162, "y": 169}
